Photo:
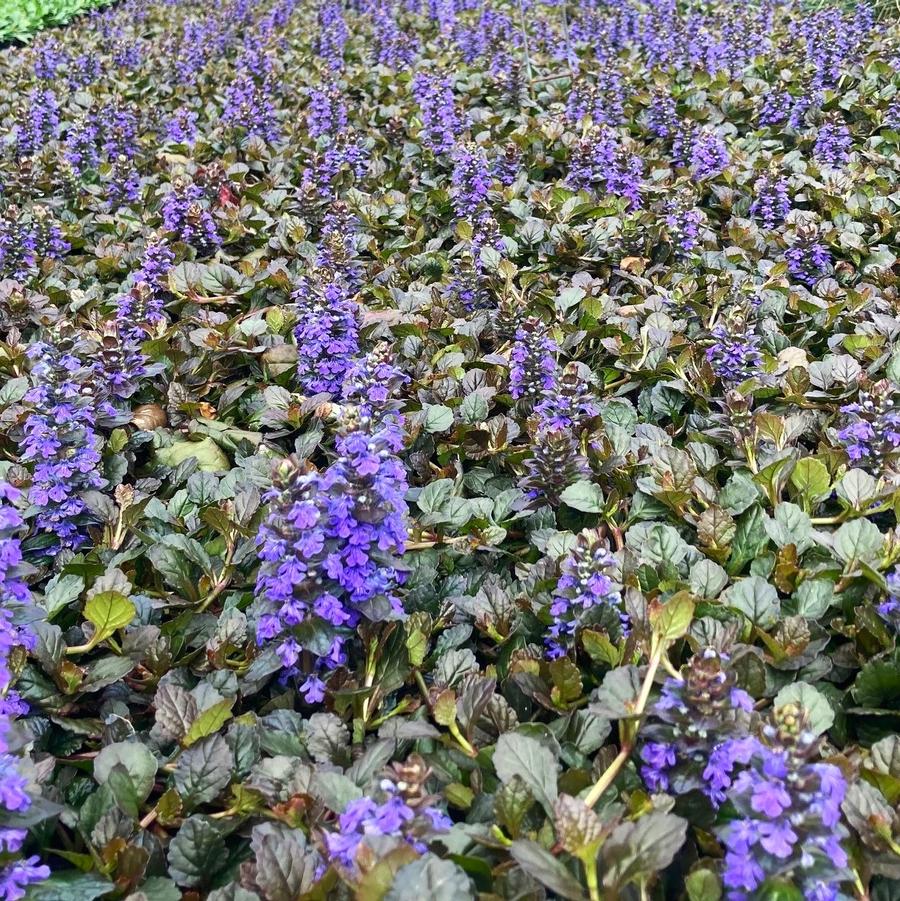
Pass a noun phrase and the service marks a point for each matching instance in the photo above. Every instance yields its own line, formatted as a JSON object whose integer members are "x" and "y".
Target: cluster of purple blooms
{"x": 709, "y": 155}
{"x": 26, "y": 240}
{"x": 141, "y": 308}
{"x": 695, "y": 729}
{"x": 182, "y": 127}
{"x": 61, "y": 439}
{"x": 833, "y": 143}
{"x": 734, "y": 354}
{"x": 440, "y": 121}
{"x": 807, "y": 259}
{"x": 532, "y": 369}
{"x": 872, "y": 433}
{"x": 248, "y": 106}
{"x": 329, "y": 547}
{"x": 327, "y": 332}
{"x": 600, "y": 162}
{"x": 398, "y": 811}
{"x": 333, "y": 35}
{"x": 889, "y": 609}
{"x": 584, "y": 585}
{"x": 789, "y": 814}
{"x": 186, "y": 215}
{"x": 38, "y": 122}
{"x": 567, "y": 405}
{"x": 683, "y": 221}
{"x": 471, "y": 180}
{"x": 372, "y": 381}
{"x": 394, "y": 48}
{"x": 15, "y": 874}
{"x": 344, "y": 152}
{"x": 771, "y": 204}
{"x": 327, "y": 111}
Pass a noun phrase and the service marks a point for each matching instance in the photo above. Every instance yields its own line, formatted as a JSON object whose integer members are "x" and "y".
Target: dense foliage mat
{"x": 450, "y": 450}
{"x": 20, "y": 18}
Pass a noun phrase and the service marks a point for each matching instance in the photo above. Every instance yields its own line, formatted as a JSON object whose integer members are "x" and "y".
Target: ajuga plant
{"x": 328, "y": 549}
{"x": 60, "y": 438}
{"x": 327, "y": 332}
{"x": 16, "y": 871}
{"x": 870, "y": 433}
{"x": 788, "y": 824}
{"x": 585, "y": 588}
{"x": 399, "y": 811}
{"x": 696, "y": 728}
{"x": 533, "y": 369}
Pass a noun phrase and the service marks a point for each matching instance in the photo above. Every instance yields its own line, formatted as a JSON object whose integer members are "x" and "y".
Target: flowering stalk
{"x": 15, "y": 874}
{"x": 327, "y": 332}
{"x": 688, "y": 739}
{"x": 400, "y": 809}
{"x": 329, "y": 548}
{"x": 871, "y": 435}
{"x": 584, "y": 586}
{"x": 789, "y": 812}
{"x": 61, "y": 439}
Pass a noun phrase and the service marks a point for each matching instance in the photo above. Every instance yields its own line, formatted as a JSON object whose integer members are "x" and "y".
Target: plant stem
{"x": 603, "y": 783}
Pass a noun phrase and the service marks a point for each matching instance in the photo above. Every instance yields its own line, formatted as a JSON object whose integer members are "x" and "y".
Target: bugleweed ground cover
{"x": 450, "y": 450}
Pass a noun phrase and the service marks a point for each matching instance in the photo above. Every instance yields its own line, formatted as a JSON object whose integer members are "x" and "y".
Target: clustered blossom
{"x": 771, "y": 203}
{"x": 186, "y": 215}
{"x": 807, "y": 259}
{"x": 832, "y": 143}
{"x": 734, "y": 355}
{"x": 38, "y": 122}
{"x": 584, "y": 586}
{"x": 440, "y": 121}
{"x": 692, "y": 729}
{"x": 26, "y": 239}
{"x": 532, "y": 368}
{"x": 471, "y": 180}
{"x": 248, "y": 106}
{"x": 683, "y": 221}
{"x": 789, "y": 814}
{"x": 327, "y": 332}
{"x": 327, "y": 111}
{"x": 120, "y": 365}
{"x": 333, "y": 34}
{"x": 871, "y": 435}
{"x": 141, "y": 308}
{"x": 507, "y": 165}
{"x": 182, "y": 127}
{"x": 61, "y": 440}
{"x": 400, "y": 810}
{"x": 372, "y": 381}
{"x": 567, "y": 404}
{"x": 344, "y": 152}
{"x": 81, "y": 150}
{"x": 600, "y": 162}
{"x": 15, "y": 875}
{"x": 889, "y": 609}
{"x": 709, "y": 155}
{"x": 329, "y": 546}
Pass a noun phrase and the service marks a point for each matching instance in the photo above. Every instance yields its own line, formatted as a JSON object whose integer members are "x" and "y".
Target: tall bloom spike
{"x": 327, "y": 332}
{"x": 14, "y": 798}
{"x": 692, "y": 728}
{"x": 789, "y": 814}
{"x": 533, "y": 368}
{"x": 584, "y": 584}
{"x": 329, "y": 548}
{"x": 61, "y": 440}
